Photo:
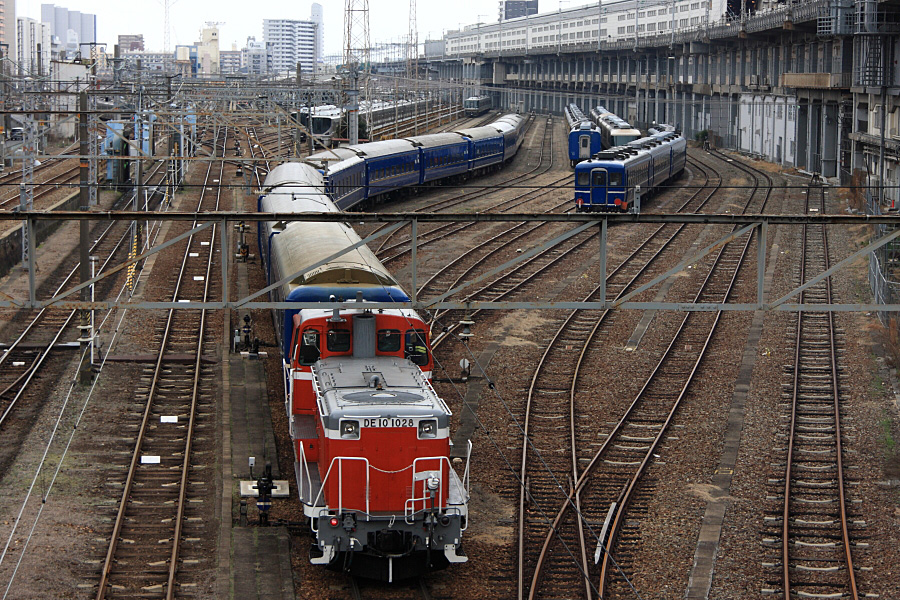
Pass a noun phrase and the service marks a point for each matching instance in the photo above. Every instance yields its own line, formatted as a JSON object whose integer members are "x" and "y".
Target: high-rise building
{"x": 208, "y": 51}
{"x": 32, "y": 47}
{"x": 512, "y": 9}
{"x": 8, "y": 28}
{"x": 229, "y": 61}
{"x": 69, "y": 29}
{"x": 131, "y": 43}
{"x": 292, "y": 41}
{"x": 256, "y": 59}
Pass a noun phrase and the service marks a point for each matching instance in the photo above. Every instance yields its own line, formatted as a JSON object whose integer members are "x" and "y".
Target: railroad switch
{"x": 243, "y": 248}
{"x": 246, "y": 330}
{"x": 264, "y": 486}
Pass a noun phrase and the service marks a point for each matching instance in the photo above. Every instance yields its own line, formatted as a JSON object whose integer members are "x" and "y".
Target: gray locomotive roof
{"x": 293, "y": 174}
{"x": 436, "y": 139}
{"x": 375, "y": 149}
{"x": 331, "y": 156}
{"x": 348, "y": 389}
{"x": 279, "y": 202}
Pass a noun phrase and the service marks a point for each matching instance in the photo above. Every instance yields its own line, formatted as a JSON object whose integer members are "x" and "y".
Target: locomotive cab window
{"x": 309, "y": 347}
{"x": 415, "y": 348}
{"x": 389, "y": 340}
{"x": 599, "y": 178}
{"x": 615, "y": 178}
{"x": 338, "y": 340}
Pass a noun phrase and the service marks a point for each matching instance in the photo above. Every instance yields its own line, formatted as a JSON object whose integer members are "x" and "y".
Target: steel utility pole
{"x": 84, "y": 202}
{"x": 356, "y": 61}
{"x": 412, "y": 60}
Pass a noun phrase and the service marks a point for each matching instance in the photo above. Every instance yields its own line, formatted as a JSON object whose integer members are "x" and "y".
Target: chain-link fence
{"x": 882, "y": 263}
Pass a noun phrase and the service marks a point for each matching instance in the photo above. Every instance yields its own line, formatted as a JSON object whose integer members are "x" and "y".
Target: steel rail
{"x": 145, "y": 420}
{"x": 195, "y": 391}
{"x": 28, "y": 375}
{"x": 835, "y": 387}
{"x": 574, "y": 495}
{"x": 626, "y": 497}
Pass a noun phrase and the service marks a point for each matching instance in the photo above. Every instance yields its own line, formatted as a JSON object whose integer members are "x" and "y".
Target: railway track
{"x": 596, "y": 496}
{"x": 160, "y": 535}
{"x": 414, "y": 589}
{"x": 21, "y": 363}
{"x": 44, "y": 331}
{"x": 515, "y": 281}
{"x": 815, "y": 528}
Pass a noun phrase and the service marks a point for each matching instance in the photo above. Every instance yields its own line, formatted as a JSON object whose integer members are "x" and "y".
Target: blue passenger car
{"x": 584, "y": 141}
{"x": 345, "y": 182}
{"x": 585, "y": 138}
{"x": 510, "y": 127}
{"x": 607, "y": 182}
{"x": 485, "y": 147}
{"x": 441, "y": 155}
{"x": 390, "y": 165}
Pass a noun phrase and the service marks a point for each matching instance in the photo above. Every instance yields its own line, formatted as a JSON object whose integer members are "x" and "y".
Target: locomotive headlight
{"x": 350, "y": 430}
{"x": 427, "y": 428}
{"x": 433, "y": 483}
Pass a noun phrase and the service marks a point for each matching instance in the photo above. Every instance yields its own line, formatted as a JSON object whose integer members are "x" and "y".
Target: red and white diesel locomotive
{"x": 371, "y": 436}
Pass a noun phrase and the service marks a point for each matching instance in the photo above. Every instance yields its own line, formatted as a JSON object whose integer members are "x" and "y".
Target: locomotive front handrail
{"x": 409, "y": 508}
{"x": 340, "y": 474}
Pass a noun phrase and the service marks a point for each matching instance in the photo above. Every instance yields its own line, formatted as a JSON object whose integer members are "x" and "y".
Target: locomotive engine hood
{"x": 377, "y": 391}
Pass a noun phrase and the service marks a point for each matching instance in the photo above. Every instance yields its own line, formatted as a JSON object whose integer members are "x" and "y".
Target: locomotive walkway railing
{"x": 580, "y": 222}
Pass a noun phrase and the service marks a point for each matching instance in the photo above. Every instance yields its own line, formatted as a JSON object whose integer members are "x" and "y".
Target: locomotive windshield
{"x": 615, "y": 178}
{"x": 583, "y": 179}
{"x": 599, "y": 178}
{"x": 416, "y": 349}
{"x": 622, "y": 140}
{"x": 338, "y": 340}
{"x": 321, "y": 125}
{"x": 388, "y": 340}
{"x": 309, "y": 347}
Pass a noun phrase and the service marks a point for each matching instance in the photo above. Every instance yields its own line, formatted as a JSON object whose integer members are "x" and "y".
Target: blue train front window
{"x": 599, "y": 178}
{"x": 615, "y": 178}
{"x": 582, "y": 179}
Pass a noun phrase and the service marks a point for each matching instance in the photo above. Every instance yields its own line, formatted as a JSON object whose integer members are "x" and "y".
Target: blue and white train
{"x": 615, "y": 131}
{"x": 585, "y": 138}
{"x": 370, "y": 172}
{"x": 615, "y": 180}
